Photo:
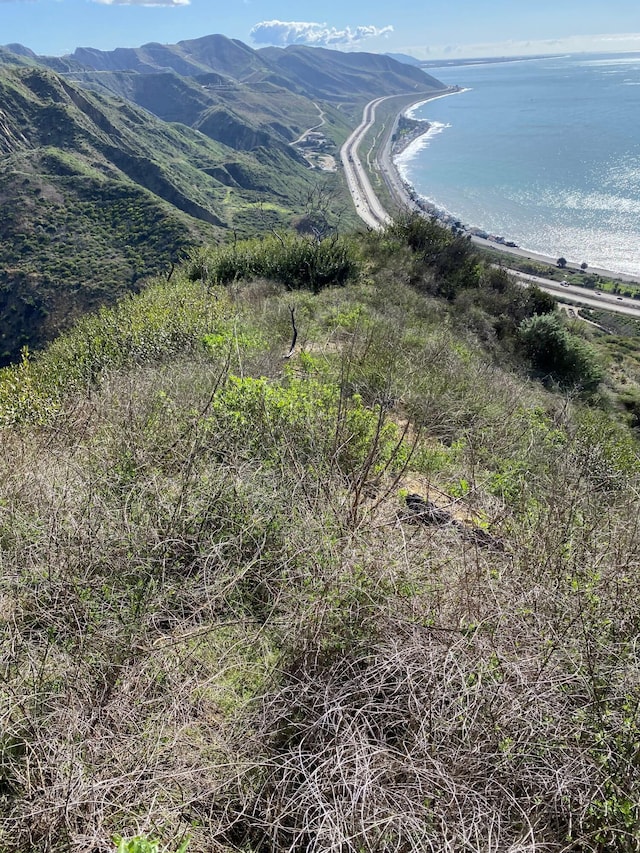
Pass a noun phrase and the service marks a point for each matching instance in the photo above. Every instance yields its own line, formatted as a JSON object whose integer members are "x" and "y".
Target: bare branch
{"x": 294, "y": 338}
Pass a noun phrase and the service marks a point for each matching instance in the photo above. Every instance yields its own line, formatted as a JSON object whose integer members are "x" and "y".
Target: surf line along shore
{"x": 406, "y": 198}
{"x": 365, "y": 199}
{"x": 405, "y": 131}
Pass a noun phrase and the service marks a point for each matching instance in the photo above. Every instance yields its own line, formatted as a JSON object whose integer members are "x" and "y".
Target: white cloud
{"x": 143, "y": 2}
{"x": 282, "y": 33}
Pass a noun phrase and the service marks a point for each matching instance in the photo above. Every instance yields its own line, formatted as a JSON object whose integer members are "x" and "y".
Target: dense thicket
{"x": 223, "y": 621}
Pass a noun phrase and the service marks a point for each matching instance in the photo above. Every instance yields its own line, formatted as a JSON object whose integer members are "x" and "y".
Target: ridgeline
{"x": 317, "y": 540}
{"x": 312, "y": 547}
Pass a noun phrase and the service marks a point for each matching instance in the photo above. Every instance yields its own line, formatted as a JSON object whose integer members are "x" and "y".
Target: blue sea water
{"x": 543, "y": 152}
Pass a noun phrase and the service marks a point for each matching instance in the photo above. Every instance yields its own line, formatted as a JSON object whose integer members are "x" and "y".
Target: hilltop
{"x": 315, "y": 546}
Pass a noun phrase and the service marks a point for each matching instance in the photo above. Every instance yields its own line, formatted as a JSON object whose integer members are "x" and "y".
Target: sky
{"x": 425, "y": 29}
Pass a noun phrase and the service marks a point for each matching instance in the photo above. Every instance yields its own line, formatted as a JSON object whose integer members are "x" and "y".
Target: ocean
{"x": 543, "y": 152}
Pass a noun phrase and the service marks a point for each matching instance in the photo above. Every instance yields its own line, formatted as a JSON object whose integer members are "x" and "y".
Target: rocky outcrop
{"x": 423, "y": 511}
{"x": 11, "y": 137}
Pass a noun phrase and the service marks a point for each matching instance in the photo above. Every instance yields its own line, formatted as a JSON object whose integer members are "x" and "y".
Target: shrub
{"x": 141, "y": 844}
{"x": 295, "y": 261}
{"x": 423, "y": 235}
{"x": 166, "y": 319}
{"x": 450, "y": 260}
{"x": 324, "y": 426}
{"x": 559, "y": 355}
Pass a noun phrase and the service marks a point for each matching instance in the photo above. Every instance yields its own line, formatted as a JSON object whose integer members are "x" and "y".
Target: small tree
{"x": 583, "y": 266}
{"x": 321, "y": 212}
{"x": 561, "y": 262}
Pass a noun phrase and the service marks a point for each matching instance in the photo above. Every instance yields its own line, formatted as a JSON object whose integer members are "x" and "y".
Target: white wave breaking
{"x": 403, "y": 160}
{"x": 411, "y": 112}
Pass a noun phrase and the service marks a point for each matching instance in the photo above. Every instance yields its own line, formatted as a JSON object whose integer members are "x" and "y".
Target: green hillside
{"x": 190, "y": 57}
{"x": 347, "y": 77}
{"x": 281, "y": 114}
{"x": 375, "y": 594}
{"x": 116, "y": 163}
{"x": 98, "y": 192}
{"x": 178, "y": 81}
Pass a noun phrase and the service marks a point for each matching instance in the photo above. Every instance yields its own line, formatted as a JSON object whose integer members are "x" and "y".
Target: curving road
{"x": 305, "y": 133}
{"x": 371, "y": 211}
{"x": 367, "y": 203}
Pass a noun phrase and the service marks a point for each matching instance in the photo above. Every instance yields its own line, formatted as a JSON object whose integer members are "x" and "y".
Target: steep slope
{"x": 337, "y": 76}
{"x": 281, "y": 114}
{"x": 116, "y": 161}
{"x": 326, "y": 73}
{"x": 227, "y": 70}
{"x": 97, "y": 193}
{"x": 218, "y": 53}
{"x": 17, "y": 54}
{"x": 317, "y": 73}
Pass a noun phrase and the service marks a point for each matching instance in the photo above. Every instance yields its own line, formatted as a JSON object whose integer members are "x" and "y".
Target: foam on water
{"x": 412, "y": 150}
{"x": 545, "y": 153}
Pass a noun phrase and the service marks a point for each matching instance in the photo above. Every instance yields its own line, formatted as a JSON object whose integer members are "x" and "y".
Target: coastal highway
{"x": 374, "y": 215}
{"x": 367, "y": 203}
{"x": 581, "y": 295}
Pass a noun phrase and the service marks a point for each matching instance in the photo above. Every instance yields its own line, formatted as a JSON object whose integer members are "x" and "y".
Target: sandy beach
{"x": 406, "y": 196}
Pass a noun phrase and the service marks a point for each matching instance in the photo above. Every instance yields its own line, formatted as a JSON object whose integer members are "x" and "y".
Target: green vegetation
{"x": 224, "y": 622}
{"x": 114, "y": 174}
{"x": 141, "y": 844}
{"x": 556, "y": 353}
{"x": 98, "y": 194}
{"x": 296, "y": 262}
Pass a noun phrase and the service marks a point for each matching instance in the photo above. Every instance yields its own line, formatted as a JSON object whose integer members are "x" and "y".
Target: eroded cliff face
{"x": 11, "y": 137}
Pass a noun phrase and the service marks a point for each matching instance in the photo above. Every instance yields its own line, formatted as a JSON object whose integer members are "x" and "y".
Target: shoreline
{"x": 406, "y": 196}
{"x": 415, "y": 131}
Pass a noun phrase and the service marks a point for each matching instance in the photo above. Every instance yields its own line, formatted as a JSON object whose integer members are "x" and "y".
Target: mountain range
{"x": 115, "y": 163}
